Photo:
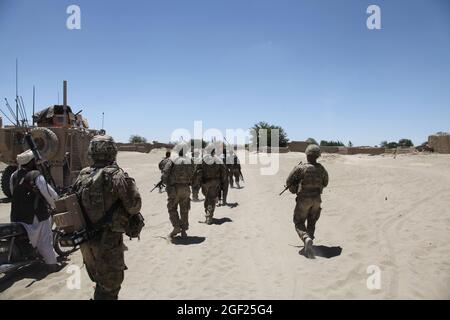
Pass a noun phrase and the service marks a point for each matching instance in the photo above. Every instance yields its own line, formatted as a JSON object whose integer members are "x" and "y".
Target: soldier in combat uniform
{"x": 223, "y": 193}
{"x": 177, "y": 176}
{"x": 307, "y": 182}
{"x": 213, "y": 176}
{"x": 196, "y": 184}
{"x": 234, "y": 169}
{"x": 106, "y": 194}
{"x": 162, "y": 165}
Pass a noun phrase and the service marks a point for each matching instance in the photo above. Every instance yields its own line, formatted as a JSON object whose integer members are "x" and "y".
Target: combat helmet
{"x": 102, "y": 148}
{"x": 313, "y": 150}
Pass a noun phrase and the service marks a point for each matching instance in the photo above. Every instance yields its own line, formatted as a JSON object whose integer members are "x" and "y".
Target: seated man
{"x": 31, "y": 198}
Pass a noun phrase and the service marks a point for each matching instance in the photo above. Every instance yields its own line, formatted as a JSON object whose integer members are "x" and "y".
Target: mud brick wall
{"x": 439, "y": 143}
{"x": 372, "y": 151}
{"x": 297, "y": 146}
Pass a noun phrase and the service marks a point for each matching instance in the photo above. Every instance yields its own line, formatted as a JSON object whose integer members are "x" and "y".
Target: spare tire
{"x": 46, "y": 141}
{"x": 6, "y": 176}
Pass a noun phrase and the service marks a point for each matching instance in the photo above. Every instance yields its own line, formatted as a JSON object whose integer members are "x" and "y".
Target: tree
{"x": 325, "y": 143}
{"x": 283, "y": 139}
{"x": 137, "y": 139}
{"x": 392, "y": 145}
{"x": 350, "y": 144}
{"x": 405, "y": 143}
{"x": 384, "y": 144}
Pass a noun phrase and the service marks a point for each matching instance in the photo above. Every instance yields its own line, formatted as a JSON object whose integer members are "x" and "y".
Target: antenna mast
{"x": 34, "y": 99}
{"x": 17, "y": 92}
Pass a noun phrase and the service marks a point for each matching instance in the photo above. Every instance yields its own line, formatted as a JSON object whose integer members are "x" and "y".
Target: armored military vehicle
{"x": 61, "y": 136}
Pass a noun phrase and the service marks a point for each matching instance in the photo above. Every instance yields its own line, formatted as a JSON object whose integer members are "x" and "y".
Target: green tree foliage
{"x": 325, "y": 143}
{"x": 283, "y": 139}
{"x": 137, "y": 139}
{"x": 405, "y": 143}
{"x": 350, "y": 144}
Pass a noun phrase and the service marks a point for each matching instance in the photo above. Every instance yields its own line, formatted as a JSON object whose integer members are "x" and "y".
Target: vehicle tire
{"x": 6, "y": 176}
{"x": 46, "y": 141}
{"x": 61, "y": 251}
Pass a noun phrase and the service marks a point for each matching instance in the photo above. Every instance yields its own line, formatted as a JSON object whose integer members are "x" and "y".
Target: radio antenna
{"x": 17, "y": 91}
{"x": 34, "y": 100}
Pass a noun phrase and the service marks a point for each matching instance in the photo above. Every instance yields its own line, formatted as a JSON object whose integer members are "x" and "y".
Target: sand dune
{"x": 391, "y": 213}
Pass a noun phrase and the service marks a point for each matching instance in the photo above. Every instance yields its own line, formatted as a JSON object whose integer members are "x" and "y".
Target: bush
{"x": 137, "y": 139}
{"x": 283, "y": 139}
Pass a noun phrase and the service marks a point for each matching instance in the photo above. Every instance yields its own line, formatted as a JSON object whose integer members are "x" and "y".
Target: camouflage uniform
{"x": 223, "y": 191}
{"x": 234, "y": 169}
{"x": 307, "y": 181}
{"x": 104, "y": 191}
{"x": 213, "y": 177}
{"x": 177, "y": 176}
{"x": 161, "y": 166}
{"x": 196, "y": 183}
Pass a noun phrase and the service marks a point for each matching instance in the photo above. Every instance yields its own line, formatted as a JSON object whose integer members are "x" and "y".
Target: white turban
{"x": 25, "y": 157}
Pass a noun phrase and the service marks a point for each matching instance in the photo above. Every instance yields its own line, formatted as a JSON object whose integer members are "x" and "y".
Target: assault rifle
{"x": 160, "y": 184}
{"x": 288, "y": 186}
{"x": 43, "y": 165}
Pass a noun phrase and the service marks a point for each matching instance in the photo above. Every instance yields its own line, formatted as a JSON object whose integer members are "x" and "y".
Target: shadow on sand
{"x": 35, "y": 271}
{"x": 324, "y": 251}
{"x": 188, "y": 240}
{"x": 229, "y": 205}
{"x": 221, "y": 221}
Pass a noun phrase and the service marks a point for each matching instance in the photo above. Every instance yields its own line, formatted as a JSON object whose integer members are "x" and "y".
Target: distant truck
{"x": 62, "y": 138}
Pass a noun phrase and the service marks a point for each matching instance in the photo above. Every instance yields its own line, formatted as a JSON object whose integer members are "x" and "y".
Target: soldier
{"x": 234, "y": 168}
{"x": 106, "y": 194}
{"x": 196, "y": 184}
{"x": 307, "y": 181}
{"x": 161, "y": 167}
{"x": 177, "y": 176}
{"x": 223, "y": 192}
{"x": 213, "y": 177}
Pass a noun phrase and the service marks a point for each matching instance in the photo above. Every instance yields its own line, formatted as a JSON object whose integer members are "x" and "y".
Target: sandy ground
{"x": 390, "y": 213}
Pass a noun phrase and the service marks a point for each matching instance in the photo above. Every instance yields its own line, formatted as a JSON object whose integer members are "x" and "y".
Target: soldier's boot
{"x": 224, "y": 201}
{"x": 175, "y": 231}
{"x": 195, "y": 197}
{"x": 209, "y": 215}
{"x": 183, "y": 234}
{"x": 308, "y": 250}
{"x": 238, "y": 185}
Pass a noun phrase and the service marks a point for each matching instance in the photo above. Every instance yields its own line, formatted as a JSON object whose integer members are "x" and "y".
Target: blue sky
{"x": 310, "y": 66}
